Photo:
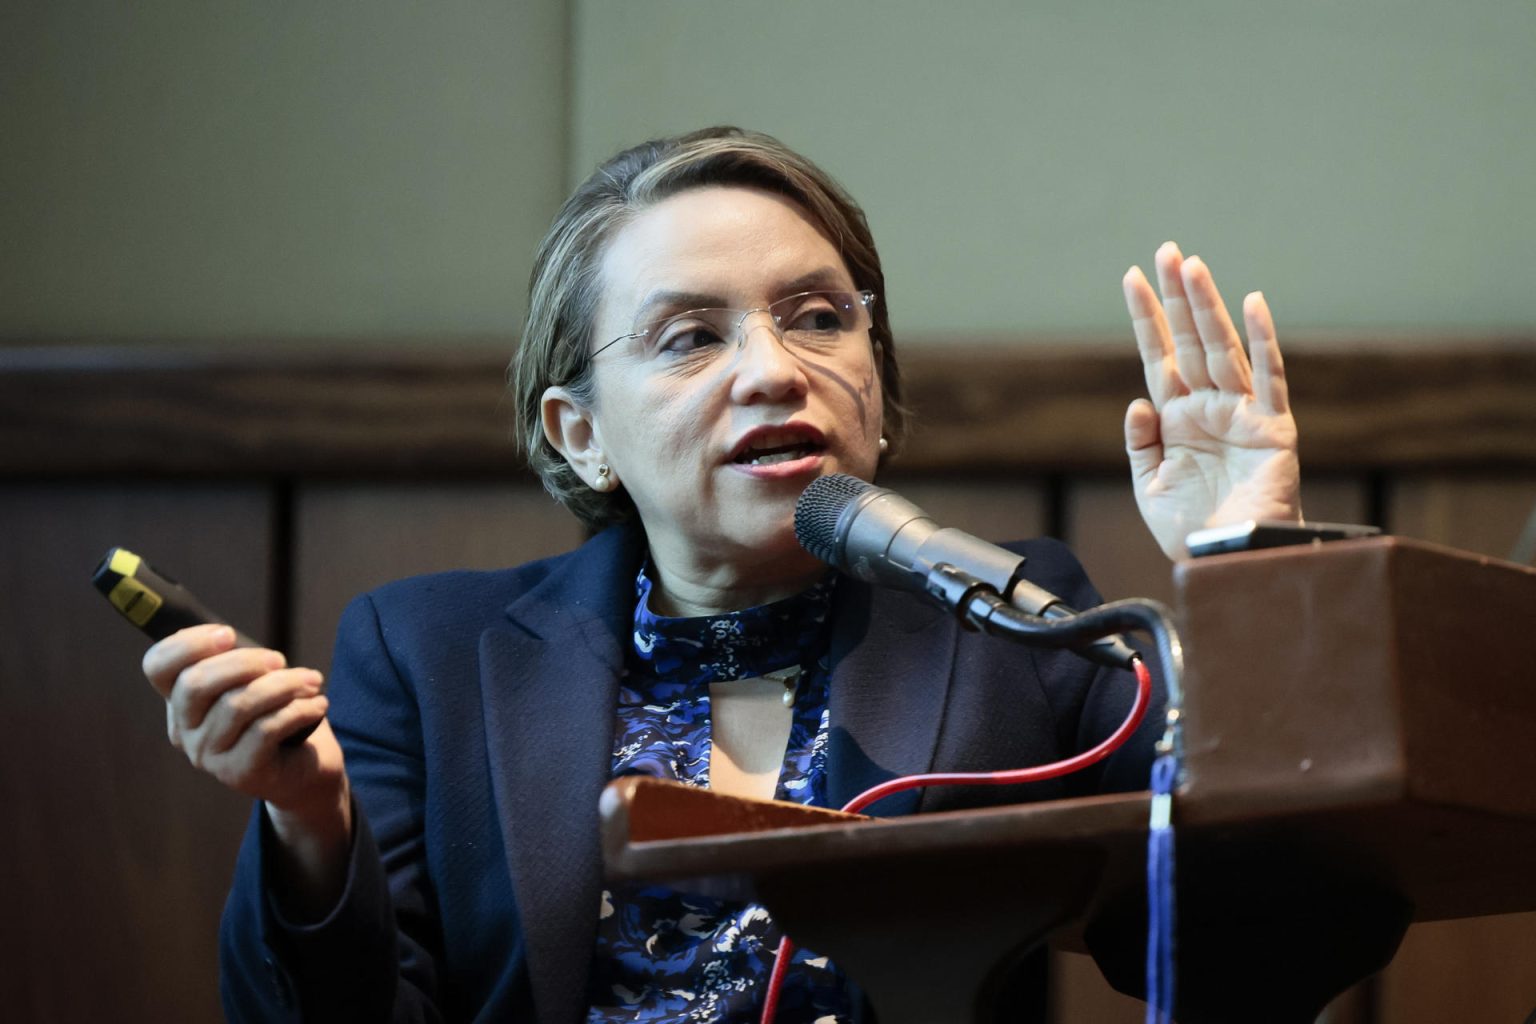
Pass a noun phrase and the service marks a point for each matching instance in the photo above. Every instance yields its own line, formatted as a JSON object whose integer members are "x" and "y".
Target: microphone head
{"x": 821, "y": 508}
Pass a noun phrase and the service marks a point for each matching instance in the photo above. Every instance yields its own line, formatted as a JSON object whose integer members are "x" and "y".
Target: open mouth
{"x": 782, "y": 453}
{"x": 769, "y": 446}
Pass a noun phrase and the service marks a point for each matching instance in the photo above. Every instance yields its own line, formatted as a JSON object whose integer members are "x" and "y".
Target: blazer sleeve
{"x": 1089, "y": 700}
{"x": 373, "y": 957}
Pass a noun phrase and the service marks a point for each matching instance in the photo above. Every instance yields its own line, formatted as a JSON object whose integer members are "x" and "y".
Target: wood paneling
{"x": 118, "y": 853}
{"x": 1475, "y": 512}
{"x": 1114, "y": 545}
{"x": 1481, "y": 969}
{"x": 350, "y": 538}
{"x": 1360, "y": 400}
{"x": 987, "y": 409}
{"x": 284, "y": 409}
{"x": 1335, "y": 499}
{"x": 996, "y": 510}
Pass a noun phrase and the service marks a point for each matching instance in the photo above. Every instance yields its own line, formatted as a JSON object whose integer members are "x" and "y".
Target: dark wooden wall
{"x": 279, "y": 480}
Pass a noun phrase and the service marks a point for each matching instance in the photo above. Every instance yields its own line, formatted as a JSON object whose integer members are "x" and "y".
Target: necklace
{"x": 790, "y": 678}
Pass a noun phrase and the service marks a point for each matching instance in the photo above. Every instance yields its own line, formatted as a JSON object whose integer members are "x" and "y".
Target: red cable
{"x": 1039, "y": 773}
{"x": 776, "y": 979}
{"x": 1055, "y": 769}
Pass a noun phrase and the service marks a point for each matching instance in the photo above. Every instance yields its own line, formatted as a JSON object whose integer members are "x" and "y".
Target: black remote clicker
{"x": 159, "y": 606}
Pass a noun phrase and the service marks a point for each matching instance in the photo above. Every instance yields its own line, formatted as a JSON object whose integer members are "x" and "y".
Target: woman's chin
{"x": 766, "y": 543}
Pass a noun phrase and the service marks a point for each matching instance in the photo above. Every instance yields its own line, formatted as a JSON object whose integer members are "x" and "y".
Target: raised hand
{"x": 1216, "y": 443}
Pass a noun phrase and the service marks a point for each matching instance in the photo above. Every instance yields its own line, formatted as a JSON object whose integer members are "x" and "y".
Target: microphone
{"x": 875, "y": 535}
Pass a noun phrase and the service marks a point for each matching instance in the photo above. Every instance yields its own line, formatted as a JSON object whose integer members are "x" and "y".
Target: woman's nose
{"x": 756, "y": 319}
{"x": 764, "y": 366}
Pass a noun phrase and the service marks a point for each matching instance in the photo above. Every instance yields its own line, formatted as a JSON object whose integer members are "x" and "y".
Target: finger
{"x": 1181, "y": 322}
{"x": 1152, "y": 339}
{"x": 1225, "y": 361}
{"x": 236, "y": 709}
{"x": 204, "y": 682}
{"x": 166, "y": 659}
{"x": 258, "y": 764}
{"x": 261, "y": 741}
{"x": 1269, "y": 385}
{"x": 1143, "y": 441}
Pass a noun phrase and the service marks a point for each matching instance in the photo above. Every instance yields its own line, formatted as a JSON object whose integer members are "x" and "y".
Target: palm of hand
{"x": 1224, "y": 460}
{"x": 1216, "y": 443}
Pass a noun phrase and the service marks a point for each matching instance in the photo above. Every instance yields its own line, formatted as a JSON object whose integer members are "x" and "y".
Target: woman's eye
{"x": 820, "y": 318}
{"x": 681, "y": 339}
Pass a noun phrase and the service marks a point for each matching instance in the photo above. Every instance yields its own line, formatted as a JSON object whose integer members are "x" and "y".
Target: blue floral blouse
{"x": 669, "y": 956}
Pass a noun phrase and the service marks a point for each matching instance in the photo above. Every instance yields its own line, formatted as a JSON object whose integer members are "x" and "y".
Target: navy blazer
{"x": 476, "y": 710}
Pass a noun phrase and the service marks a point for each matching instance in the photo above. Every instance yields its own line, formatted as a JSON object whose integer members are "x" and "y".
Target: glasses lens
{"x": 695, "y": 331}
{"x": 820, "y": 315}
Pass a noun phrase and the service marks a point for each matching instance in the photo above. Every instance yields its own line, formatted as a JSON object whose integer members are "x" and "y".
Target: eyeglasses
{"x": 811, "y": 321}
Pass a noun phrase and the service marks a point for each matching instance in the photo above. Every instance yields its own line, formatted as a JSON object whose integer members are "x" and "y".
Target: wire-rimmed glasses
{"x": 809, "y": 320}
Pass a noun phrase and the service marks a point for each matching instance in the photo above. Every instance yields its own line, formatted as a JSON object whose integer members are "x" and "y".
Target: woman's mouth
{"x": 773, "y": 456}
{"x": 775, "y": 451}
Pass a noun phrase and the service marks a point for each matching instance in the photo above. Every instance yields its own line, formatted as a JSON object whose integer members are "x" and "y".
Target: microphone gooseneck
{"x": 875, "y": 535}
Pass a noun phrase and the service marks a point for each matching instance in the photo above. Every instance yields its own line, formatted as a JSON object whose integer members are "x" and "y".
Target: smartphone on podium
{"x": 1252, "y": 534}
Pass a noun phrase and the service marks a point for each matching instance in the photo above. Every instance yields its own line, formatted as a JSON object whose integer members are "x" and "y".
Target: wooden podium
{"x": 1360, "y": 727}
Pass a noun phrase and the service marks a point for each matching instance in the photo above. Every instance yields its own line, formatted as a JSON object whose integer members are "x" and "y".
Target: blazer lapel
{"x": 892, "y": 659}
{"x": 549, "y": 686}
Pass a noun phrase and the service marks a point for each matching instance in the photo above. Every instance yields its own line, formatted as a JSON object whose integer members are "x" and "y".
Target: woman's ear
{"x": 570, "y": 429}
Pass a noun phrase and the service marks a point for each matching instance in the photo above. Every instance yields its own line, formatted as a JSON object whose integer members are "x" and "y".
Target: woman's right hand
{"x": 229, "y": 709}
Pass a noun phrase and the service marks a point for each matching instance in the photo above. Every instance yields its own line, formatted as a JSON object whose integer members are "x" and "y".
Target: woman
{"x": 706, "y": 334}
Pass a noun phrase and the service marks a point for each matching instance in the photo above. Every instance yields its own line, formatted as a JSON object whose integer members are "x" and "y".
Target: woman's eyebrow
{"x": 673, "y": 300}
{"x": 821, "y": 277}
{"x": 668, "y": 299}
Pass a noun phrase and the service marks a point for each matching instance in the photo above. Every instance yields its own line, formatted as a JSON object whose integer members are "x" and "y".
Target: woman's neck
{"x": 678, "y": 594}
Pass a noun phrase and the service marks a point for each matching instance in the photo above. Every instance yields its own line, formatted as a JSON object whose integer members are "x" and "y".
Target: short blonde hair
{"x": 566, "y": 284}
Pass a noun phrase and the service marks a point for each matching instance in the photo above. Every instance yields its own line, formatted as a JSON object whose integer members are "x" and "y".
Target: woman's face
{"x": 715, "y": 446}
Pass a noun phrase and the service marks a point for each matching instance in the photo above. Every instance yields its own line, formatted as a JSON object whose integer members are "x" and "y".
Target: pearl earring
{"x": 603, "y": 482}
{"x": 885, "y": 446}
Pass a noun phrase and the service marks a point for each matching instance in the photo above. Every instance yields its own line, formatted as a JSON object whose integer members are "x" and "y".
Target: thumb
{"x": 1143, "y": 440}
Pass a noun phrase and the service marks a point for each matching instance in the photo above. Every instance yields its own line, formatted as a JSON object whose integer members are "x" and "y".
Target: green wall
{"x": 206, "y": 168}
{"x": 1367, "y": 164}
{"x": 183, "y": 169}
